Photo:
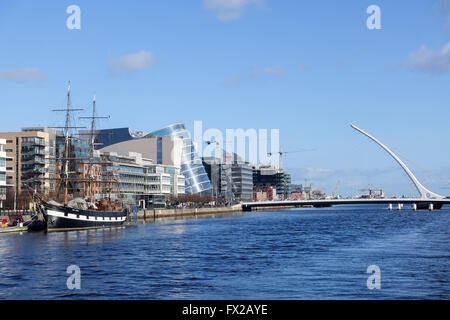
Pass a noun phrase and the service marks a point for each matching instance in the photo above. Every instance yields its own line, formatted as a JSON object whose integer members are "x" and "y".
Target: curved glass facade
{"x": 197, "y": 180}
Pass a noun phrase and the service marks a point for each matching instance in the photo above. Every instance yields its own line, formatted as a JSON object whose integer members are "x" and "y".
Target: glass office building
{"x": 107, "y": 137}
{"x": 191, "y": 166}
{"x": 192, "y": 169}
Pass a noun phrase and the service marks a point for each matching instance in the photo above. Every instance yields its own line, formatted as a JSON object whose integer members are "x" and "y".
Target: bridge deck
{"x": 331, "y": 202}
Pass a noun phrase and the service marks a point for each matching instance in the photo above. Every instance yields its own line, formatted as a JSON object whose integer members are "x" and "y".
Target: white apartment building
{"x": 143, "y": 182}
{"x": 2, "y": 172}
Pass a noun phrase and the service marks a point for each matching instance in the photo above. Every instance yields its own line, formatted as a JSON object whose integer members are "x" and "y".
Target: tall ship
{"x": 90, "y": 206}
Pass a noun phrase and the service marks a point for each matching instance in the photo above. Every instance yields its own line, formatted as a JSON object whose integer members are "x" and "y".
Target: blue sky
{"x": 308, "y": 68}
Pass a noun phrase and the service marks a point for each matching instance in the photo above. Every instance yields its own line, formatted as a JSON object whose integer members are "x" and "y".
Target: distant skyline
{"x": 308, "y": 69}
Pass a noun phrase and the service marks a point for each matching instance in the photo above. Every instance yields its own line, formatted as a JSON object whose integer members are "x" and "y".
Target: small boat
{"x": 18, "y": 225}
{"x": 13, "y": 229}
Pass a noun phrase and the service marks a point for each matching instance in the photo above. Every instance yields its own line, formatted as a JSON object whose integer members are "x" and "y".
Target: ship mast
{"x": 67, "y": 138}
{"x": 91, "y": 153}
{"x": 92, "y": 145}
{"x": 66, "y": 148}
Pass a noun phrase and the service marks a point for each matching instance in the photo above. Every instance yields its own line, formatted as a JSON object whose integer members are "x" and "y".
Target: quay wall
{"x": 167, "y": 213}
{"x": 184, "y": 212}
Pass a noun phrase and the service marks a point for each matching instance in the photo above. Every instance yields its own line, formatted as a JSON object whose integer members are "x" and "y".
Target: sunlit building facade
{"x": 28, "y": 159}
{"x": 171, "y": 145}
{"x": 139, "y": 180}
{"x": 2, "y": 172}
{"x": 192, "y": 169}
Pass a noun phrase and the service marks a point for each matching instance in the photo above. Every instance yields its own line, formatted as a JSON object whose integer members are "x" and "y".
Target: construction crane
{"x": 282, "y": 153}
{"x": 336, "y": 189}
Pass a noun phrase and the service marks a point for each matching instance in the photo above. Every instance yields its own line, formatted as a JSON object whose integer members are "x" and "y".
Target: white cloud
{"x": 432, "y": 61}
{"x": 132, "y": 62}
{"x": 229, "y": 9}
{"x": 22, "y": 75}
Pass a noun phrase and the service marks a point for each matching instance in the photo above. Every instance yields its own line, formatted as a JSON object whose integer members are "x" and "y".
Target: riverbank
{"x": 154, "y": 214}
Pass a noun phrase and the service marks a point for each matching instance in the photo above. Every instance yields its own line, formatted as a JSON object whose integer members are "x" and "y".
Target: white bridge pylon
{"x": 424, "y": 192}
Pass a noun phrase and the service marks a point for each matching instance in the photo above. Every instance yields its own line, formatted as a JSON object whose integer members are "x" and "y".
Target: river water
{"x": 290, "y": 254}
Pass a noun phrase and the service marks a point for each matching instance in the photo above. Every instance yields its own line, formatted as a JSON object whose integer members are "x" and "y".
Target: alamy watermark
{"x": 74, "y": 280}
{"x": 250, "y": 145}
{"x": 374, "y": 280}
{"x": 374, "y": 20}
{"x": 73, "y": 22}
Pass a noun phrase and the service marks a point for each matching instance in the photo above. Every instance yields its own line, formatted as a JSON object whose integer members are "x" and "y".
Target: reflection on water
{"x": 292, "y": 254}
{"x": 202, "y": 216}
{"x": 91, "y": 236}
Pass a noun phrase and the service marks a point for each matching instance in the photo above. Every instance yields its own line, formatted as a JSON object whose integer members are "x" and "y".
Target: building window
{"x": 159, "y": 151}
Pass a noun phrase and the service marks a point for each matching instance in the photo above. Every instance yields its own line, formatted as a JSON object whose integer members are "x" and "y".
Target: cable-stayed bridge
{"x": 426, "y": 200}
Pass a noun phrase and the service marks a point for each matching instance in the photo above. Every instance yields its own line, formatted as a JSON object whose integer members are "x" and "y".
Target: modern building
{"x": 28, "y": 163}
{"x": 220, "y": 176}
{"x": 162, "y": 150}
{"x": 197, "y": 180}
{"x": 140, "y": 181}
{"x": 157, "y": 146}
{"x": 78, "y": 154}
{"x": 231, "y": 181}
{"x": 2, "y": 172}
{"x": 32, "y": 160}
{"x": 242, "y": 181}
{"x": 266, "y": 176}
{"x": 106, "y": 137}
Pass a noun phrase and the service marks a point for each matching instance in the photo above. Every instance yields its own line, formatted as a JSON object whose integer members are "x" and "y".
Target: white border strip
{"x": 83, "y": 217}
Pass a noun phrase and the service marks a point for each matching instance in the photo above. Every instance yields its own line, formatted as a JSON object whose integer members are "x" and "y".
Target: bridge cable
{"x": 430, "y": 173}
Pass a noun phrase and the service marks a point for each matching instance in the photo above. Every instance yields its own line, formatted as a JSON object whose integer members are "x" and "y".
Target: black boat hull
{"x": 36, "y": 226}
{"x": 65, "y": 218}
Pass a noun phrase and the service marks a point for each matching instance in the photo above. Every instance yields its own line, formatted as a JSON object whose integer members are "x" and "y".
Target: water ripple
{"x": 293, "y": 254}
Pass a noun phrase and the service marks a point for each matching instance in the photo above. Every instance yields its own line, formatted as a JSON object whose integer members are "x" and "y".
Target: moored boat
{"x": 13, "y": 229}
{"x": 89, "y": 211}
{"x": 64, "y": 217}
